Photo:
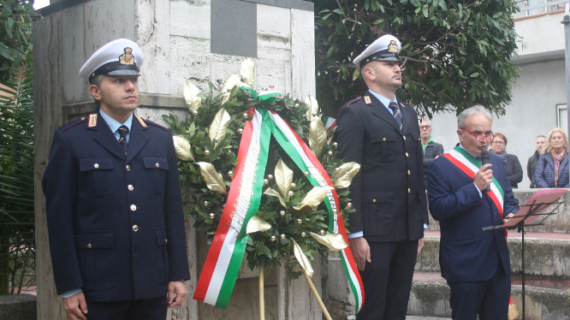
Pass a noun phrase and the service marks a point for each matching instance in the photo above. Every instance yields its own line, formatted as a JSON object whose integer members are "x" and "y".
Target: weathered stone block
{"x": 21, "y": 307}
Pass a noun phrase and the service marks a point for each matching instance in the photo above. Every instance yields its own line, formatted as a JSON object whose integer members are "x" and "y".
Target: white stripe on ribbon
{"x": 242, "y": 202}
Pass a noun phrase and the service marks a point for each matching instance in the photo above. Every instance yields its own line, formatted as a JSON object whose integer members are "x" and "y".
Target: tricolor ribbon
{"x": 226, "y": 253}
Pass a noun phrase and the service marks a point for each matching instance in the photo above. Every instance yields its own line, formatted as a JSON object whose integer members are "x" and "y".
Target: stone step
{"x": 544, "y": 301}
{"x": 557, "y": 223}
{"x": 546, "y": 254}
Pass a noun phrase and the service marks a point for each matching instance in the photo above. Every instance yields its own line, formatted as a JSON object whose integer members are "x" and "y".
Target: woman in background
{"x": 552, "y": 168}
{"x": 512, "y": 163}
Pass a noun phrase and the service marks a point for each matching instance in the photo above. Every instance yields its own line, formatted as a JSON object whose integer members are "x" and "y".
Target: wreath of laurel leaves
{"x": 261, "y": 249}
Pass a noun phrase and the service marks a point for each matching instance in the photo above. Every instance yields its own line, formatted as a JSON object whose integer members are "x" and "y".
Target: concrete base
{"x": 431, "y": 298}
{"x": 20, "y": 307}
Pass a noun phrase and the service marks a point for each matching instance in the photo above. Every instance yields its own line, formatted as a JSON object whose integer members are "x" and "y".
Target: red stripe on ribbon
{"x": 226, "y": 220}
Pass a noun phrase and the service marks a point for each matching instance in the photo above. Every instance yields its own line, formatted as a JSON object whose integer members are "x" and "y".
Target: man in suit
{"x": 381, "y": 133}
{"x": 113, "y": 201}
{"x": 533, "y": 160}
{"x": 474, "y": 262}
{"x": 432, "y": 149}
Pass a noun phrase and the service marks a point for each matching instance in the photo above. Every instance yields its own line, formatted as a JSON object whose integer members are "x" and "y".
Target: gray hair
{"x": 426, "y": 120}
{"x": 471, "y": 111}
{"x": 541, "y": 136}
{"x": 97, "y": 80}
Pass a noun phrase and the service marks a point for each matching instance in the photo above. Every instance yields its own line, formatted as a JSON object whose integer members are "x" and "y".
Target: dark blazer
{"x": 432, "y": 150}
{"x": 389, "y": 192}
{"x": 467, "y": 253}
{"x": 115, "y": 221}
{"x": 544, "y": 174}
{"x": 531, "y": 167}
{"x": 514, "y": 170}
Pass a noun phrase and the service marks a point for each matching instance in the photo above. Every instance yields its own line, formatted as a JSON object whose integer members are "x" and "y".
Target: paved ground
{"x": 424, "y": 318}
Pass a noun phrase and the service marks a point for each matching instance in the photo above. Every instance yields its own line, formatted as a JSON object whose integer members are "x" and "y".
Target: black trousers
{"x": 145, "y": 309}
{"x": 489, "y": 299}
{"x": 388, "y": 280}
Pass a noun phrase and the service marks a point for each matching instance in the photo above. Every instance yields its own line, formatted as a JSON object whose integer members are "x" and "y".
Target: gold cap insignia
{"x": 127, "y": 58}
{"x": 393, "y": 47}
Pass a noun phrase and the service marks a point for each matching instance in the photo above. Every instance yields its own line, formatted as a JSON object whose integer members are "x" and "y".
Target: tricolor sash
{"x": 470, "y": 166}
{"x": 226, "y": 253}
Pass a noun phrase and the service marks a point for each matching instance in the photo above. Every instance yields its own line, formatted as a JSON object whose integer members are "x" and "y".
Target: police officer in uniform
{"x": 381, "y": 133}
{"x": 113, "y": 201}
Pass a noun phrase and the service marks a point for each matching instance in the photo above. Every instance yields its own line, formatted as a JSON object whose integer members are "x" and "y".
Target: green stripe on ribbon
{"x": 241, "y": 242}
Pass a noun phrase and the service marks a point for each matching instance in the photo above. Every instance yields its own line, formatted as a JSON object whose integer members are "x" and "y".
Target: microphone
{"x": 484, "y": 161}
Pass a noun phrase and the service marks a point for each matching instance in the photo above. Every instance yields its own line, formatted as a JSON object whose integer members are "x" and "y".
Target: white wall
{"x": 540, "y": 87}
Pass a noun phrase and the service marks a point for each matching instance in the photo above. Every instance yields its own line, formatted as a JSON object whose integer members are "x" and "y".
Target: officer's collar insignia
{"x": 92, "y": 120}
{"x": 127, "y": 58}
{"x": 367, "y": 100}
{"x": 393, "y": 47}
{"x": 141, "y": 121}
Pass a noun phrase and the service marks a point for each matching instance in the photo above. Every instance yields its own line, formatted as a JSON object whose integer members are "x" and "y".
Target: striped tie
{"x": 397, "y": 114}
{"x": 123, "y": 131}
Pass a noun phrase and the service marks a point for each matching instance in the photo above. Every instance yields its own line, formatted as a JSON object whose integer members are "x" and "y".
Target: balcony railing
{"x": 539, "y": 7}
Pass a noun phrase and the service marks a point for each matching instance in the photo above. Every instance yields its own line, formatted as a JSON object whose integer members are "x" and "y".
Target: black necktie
{"x": 123, "y": 130}
{"x": 397, "y": 114}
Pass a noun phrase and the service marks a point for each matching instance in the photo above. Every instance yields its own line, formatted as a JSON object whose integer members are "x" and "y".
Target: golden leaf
{"x": 302, "y": 259}
{"x": 271, "y": 192}
{"x": 247, "y": 72}
{"x": 345, "y": 174}
{"x": 283, "y": 177}
{"x": 182, "y": 148}
{"x": 213, "y": 179}
{"x": 314, "y": 197}
{"x": 191, "y": 96}
{"x": 256, "y": 224}
{"x": 317, "y": 136}
{"x": 231, "y": 82}
{"x": 335, "y": 242}
{"x": 219, "y": 126}
{"x": 313, "y": 105}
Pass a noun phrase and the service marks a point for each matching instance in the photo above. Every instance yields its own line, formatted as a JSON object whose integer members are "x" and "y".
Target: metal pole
{"x": 566, "y": 23}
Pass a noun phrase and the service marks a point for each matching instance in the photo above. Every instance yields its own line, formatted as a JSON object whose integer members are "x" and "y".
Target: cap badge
{"x": 127, "y": 58}
{"x": 393, "y": 47}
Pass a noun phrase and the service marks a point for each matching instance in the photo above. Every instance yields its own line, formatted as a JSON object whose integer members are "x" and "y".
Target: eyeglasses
{"x": 481, "y": 137}
{"x": 498, "y": 142}
{"x": 424, "y": 127}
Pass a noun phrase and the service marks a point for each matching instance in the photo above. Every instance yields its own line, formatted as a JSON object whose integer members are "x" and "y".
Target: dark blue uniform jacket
{"x": 115, "y": 221}
{"x": 389, "y": 191}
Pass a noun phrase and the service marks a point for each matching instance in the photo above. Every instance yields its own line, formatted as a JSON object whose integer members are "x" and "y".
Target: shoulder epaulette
{"x": 73, "y": 123}
{"x": 154, "y": 124}
{"x": 353, "y": 101}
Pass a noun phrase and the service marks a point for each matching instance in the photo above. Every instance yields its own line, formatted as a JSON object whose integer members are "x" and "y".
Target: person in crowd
{"x": 465, "y": 196}
{"x": 113, "y": 201}
{"x": 533, "y": 160}
{"x": 512, "y": 163}
{"x": 432, "y": 149}
{"x": 381, "y": 133}
{"x": 552, "y": 168}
